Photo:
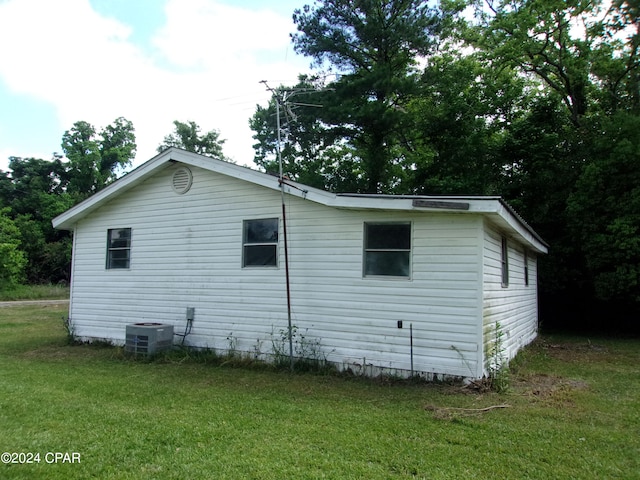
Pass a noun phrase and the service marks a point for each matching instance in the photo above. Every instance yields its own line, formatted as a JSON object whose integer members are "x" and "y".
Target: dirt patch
{"x": 570, "y": 352}
{"x": 22, "y": 303}
{"x": 549, "y": 388}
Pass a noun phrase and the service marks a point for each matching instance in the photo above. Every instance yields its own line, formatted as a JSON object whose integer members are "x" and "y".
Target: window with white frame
{"x": 387, "y": 249}
{"x": 505, "y": 262}
{"x": 260, "y": 243}
{"x": 118, "y": 248}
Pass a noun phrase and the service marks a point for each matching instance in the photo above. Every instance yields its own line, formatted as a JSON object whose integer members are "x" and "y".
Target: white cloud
{"x": 208, "y": 60}
{"x": 212, "y": 35}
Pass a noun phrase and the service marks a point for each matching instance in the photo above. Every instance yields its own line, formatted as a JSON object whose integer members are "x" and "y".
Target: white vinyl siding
{"x": 187, "y": 254}
{"x": 513, "y": 308}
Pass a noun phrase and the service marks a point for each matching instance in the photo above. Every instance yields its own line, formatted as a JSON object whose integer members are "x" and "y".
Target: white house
{"x": 378, "y": 283}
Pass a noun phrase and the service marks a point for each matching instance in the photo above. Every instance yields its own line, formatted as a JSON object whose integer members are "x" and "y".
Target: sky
{"x": 150, "y": 61}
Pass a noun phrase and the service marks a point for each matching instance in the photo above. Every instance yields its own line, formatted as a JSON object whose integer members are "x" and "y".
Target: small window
{"x": 526, "y": 268}
{"x": 118, "y": 248}
{"x": 260, "y": 243}
{"x": 505, "y": 262}
{"x": 387, "y": 249}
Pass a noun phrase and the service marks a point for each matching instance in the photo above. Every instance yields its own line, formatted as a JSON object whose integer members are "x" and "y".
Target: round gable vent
{"x": 181, "y": 180}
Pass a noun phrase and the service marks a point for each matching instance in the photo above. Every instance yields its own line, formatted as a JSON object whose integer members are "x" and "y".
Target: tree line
{"x": 537, "y": 101}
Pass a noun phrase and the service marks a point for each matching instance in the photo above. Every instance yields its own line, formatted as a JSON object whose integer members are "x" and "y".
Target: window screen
{"x": 260, "y": 243}
{"x": 118, "y": 248}
{"x": 387, "y": 249}
{"x": 505, "y": 262}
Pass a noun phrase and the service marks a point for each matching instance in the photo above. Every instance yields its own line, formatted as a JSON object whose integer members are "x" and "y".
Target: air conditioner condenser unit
{"x": 148, "y": 338}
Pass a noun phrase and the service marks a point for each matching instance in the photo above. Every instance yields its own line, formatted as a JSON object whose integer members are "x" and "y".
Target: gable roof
{"x": 494, "y": 208}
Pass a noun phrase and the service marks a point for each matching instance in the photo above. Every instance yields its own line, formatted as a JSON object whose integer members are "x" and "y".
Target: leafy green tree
{"x": 373, "y": 47}
{"x": 575, "y": 48}
{"x": 581, "y": 61}
{"x": 311, "y": 151}
{"x": 460, "y": 120}
{"x": 605, "y": 210}
{"x": 12, "y": 259}
{"x": 188, "y": 137}
{"x": 96, "y": 159}
{"x": 35, "y": 192}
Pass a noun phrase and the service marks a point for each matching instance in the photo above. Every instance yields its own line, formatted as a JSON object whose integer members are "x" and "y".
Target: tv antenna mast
{"x": 283, "y": 101}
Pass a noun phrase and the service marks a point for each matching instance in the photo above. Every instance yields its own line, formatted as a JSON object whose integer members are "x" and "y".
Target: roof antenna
{"x": 283, "y": 97}
{"x": 283, "y": 101}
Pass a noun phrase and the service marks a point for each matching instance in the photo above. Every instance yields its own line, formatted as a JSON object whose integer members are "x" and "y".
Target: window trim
{"x": 109, "y": 259}
{"x": 246, "y": 244}
{"x": 504, "y": 261}
{"x": 365, "y": 250}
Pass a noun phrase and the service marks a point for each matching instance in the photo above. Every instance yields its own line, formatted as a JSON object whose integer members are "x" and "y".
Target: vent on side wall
{"x": 181, "y": 180}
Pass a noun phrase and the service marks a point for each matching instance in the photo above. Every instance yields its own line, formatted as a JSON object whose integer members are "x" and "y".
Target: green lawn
{"x": 574, "y": 413}
{"x": 35, "y": 292}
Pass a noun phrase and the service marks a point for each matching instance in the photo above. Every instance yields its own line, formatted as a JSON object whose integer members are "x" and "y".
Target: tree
{"x": 311, "y": 151}
{"x": 460, "y": 118}
{"x": 35, "y": 194}
{"x": 605, "y": 210}
{"x": 30, "y": 180}
{"x": 373, "y": 46}
{"x": 576, "y": 48}
{"x": 581, "y": 61}
{"x": 187, "y": 136}
{"x": 96, "y": 159}
{"x": 12, "y": 259}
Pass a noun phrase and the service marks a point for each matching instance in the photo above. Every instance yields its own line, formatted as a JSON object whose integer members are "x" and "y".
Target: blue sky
{"x": 150, "y": 61}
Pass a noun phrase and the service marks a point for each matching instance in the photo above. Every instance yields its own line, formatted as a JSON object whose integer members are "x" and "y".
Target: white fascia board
{"x": 406, "y": 202}
{"x": 163, "y": 160}
{"x": 249, "y": 175}
{"x": 521, "y": 229}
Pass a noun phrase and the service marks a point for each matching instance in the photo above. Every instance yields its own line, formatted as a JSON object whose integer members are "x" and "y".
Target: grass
{"x": 573, "y": 413}
{"x": 35, "y": 292}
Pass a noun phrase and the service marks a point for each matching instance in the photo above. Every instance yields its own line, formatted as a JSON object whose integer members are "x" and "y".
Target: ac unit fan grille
{"x": 138, "y": 343}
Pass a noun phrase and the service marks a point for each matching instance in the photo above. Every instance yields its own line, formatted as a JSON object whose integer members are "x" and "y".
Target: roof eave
{"x": 492, "y": 206}
{"x": 68, "y": 219}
